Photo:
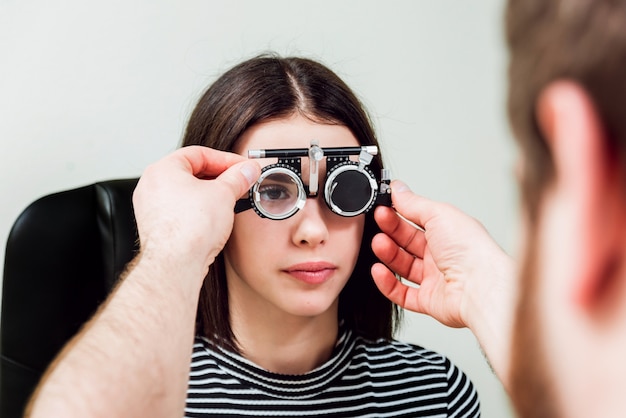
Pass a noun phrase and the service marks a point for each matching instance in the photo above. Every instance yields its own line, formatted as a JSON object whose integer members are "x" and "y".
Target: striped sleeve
{"x": 463, "y": 399}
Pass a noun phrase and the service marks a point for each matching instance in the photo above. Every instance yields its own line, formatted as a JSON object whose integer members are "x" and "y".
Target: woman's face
{"x": 299, "y": 265}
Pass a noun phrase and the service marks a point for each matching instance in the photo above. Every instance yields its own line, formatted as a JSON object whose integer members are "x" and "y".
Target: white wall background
{"x": 97, "y": 90}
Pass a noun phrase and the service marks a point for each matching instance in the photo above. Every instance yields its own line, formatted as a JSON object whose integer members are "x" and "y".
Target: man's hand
{"x": 132, "y": 358}
{"x": 184, "y": 203}
{"x": 460, "y": 276}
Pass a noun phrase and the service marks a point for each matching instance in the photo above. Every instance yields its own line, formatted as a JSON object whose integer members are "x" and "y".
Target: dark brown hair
{"x": 270, "y": 87}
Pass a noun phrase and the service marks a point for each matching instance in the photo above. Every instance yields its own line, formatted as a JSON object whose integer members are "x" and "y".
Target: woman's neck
{"x": 292, "y": 345}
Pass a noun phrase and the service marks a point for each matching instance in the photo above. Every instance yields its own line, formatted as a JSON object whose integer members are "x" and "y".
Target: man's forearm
{"x": 493, "y": 314}
{"x": 132, "y": 358}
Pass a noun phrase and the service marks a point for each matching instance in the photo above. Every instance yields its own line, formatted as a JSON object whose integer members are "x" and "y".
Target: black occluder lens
{"x": 351, "y": 191}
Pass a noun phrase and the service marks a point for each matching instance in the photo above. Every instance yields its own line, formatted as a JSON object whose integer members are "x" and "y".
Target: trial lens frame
{"x": 338, "y": 167}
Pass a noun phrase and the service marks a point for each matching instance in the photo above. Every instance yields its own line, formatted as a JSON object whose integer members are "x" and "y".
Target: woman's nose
{"x": 311, "y": 228}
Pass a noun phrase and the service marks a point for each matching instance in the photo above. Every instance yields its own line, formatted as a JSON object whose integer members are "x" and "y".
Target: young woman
{"x": 290, "y": 322}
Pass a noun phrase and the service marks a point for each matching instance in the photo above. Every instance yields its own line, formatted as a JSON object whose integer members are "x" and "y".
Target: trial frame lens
{"x": 278, "y": 193}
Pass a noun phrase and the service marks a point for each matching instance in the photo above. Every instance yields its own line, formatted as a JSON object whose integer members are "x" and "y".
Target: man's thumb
{"x": 241, "y": 176}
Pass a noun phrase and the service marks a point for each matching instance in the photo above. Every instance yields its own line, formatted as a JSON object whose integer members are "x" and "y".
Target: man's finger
{"x": 416, "y": 209}
{"x": 205, "y": 162}
{"x": 398, "y": 260}
{"x": 406, "y": 235}
{"x": 240, "y": 177}
{"x": 396, "y": 291}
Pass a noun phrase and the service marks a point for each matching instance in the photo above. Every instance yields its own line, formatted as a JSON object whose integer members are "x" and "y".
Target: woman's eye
{"x": 274, "y": 192}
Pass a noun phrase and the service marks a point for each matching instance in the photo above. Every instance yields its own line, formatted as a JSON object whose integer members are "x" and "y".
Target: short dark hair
{"x": 579, "y": 40}
{"x": 268, "y": 87}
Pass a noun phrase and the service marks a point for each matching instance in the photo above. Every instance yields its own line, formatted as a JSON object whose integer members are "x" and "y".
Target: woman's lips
{"x": 312, "y": 272}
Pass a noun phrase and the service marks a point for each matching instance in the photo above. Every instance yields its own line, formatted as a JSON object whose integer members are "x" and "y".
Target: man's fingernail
{"x": 399, "y": 187}
{"x": 249, "y": 171}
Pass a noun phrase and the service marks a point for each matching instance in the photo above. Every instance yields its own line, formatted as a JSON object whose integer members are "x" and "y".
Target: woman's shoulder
{"x": 400, "y": 352}
{"x": 418, "y": 371}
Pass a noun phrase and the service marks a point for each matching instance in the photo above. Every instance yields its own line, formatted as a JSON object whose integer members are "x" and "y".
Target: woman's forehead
{"x": 293, "y": 132}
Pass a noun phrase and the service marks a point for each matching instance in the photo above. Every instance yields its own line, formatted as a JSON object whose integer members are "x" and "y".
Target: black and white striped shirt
{"x": 362, "y": 378}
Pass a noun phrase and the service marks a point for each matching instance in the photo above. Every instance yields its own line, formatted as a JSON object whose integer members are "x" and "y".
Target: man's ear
{"x": 590, "y": 177}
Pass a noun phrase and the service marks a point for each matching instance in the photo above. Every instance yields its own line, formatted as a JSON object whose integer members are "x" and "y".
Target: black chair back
{"x": 63, "y": 256}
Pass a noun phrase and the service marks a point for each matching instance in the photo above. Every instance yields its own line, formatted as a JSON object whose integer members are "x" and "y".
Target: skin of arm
{"x": 463, "y": 278}
{"x": 132, "y": 358}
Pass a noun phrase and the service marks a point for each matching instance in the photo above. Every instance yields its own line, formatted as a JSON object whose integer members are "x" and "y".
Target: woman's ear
{"x": 589, "y": 181}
